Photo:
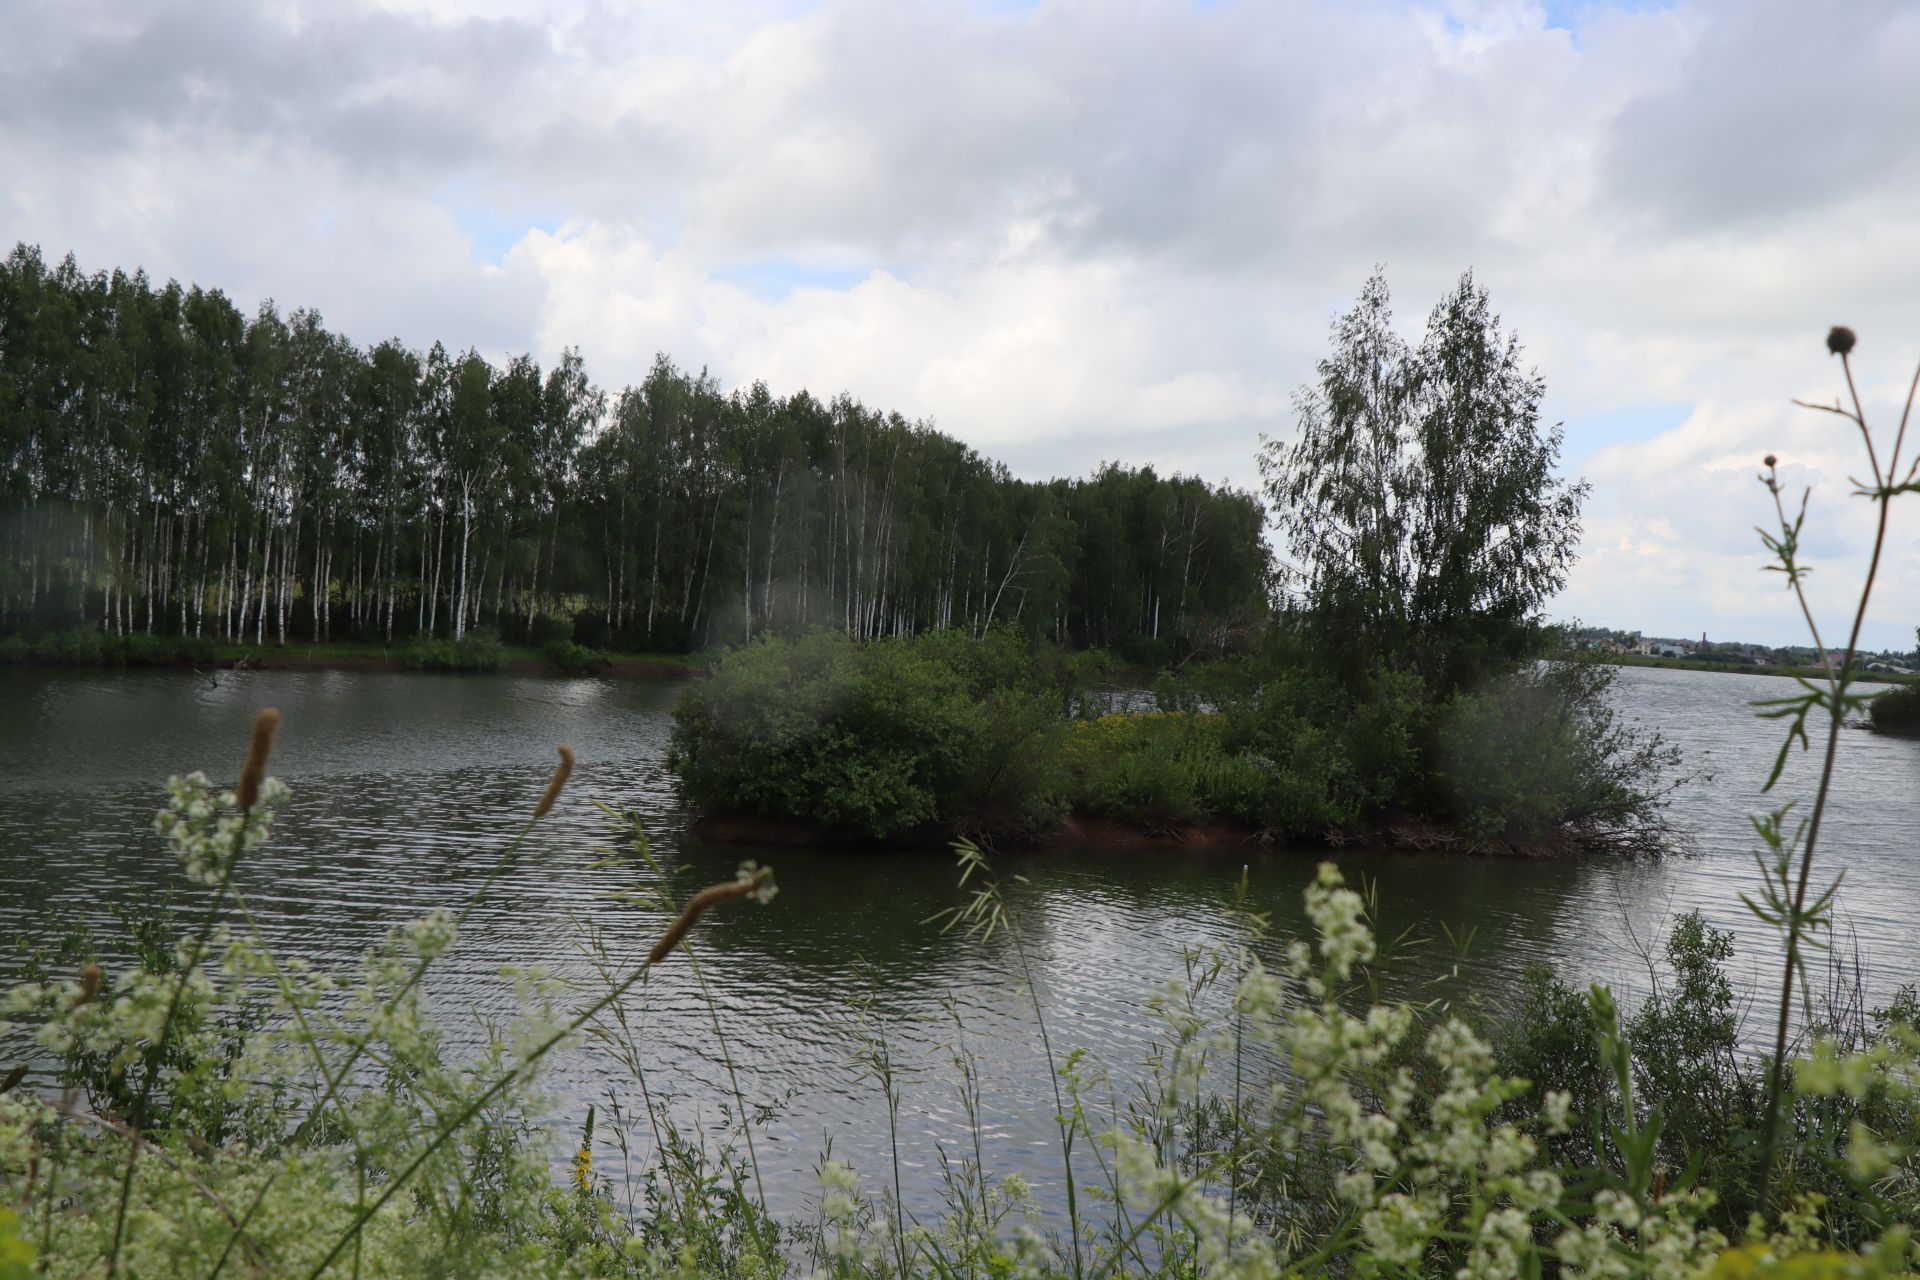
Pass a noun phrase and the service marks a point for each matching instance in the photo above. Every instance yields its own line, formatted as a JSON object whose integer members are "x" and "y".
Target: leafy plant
{"x": 1419, "y": 497}
{"x": 474, "y": 651}
{"x": 568, "y": 658}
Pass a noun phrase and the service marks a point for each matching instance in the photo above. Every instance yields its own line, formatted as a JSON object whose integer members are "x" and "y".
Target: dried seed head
{"x": 697, "y": 907}
{"x": 1770, "y": 460}
{"x": 265, "y": 726}
{"x": 1839, "y": 339}
{"x": 558, "y": 783}
{"x": 89, "y": 985}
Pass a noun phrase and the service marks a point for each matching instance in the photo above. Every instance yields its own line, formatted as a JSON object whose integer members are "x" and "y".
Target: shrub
{"x": 591, "y": 629}
{"x": 875, "y": 739}
{"x": 1542, "y": 753}
{"x": 1896, "y": 710}
{"x": 475, "y": 651}
{"x": 77, "y": 646}
{"x": 550, "y": 629}
{"x": 568, "y": 658}
{"x": 1151, "y": 769}
{"x": 142, "y": 649}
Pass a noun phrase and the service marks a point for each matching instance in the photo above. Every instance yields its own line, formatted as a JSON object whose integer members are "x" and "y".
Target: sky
{"x": 1069, "y": 231}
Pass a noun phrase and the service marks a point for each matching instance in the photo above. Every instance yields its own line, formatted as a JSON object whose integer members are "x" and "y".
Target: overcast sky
{"x": 1064, "y": 231}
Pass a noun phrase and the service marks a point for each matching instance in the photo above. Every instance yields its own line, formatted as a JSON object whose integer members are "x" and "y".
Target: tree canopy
{"x": 170, "y": 464}
{"x": 1420, "y": 504}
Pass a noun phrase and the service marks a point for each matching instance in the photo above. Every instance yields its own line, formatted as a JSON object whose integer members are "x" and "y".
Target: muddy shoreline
{"x": 1403, "y": 834}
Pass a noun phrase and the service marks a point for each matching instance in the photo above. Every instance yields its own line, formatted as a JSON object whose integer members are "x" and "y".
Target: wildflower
{"x": 1340, "y": 917}
{"x": 1553, "y": 1110}
{"x": 583, "y": 1158}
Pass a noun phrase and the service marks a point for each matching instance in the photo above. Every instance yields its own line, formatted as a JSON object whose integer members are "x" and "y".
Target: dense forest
{"x": 169, "y": 465}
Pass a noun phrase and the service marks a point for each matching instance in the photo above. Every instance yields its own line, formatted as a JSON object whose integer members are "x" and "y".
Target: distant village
{"x": 1733, "y": 653}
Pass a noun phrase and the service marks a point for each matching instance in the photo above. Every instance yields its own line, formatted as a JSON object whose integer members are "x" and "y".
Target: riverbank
{"x": 1405, "y": 833}
{"x": 201, "y": 654}
{"x": 1740, "y": 668}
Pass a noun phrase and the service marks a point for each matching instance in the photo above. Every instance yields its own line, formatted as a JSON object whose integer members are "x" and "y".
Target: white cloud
{"x": 1088, "y": 231}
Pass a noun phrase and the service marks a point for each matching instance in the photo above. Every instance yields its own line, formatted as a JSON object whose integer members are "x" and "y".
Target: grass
{"x": 352, "y": 650}
{"x": 196, "y": 651}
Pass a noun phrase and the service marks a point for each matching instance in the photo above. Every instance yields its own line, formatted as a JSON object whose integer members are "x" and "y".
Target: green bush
{"x": 548, "y": 629}
{"x": 77, "y": 646}
{"x": 87, "y": 645}
{"x": 142, "y": 649}
{"x": 879, "y": 738}
{"x": 949, "y": 730}
{"x": 1896, "y": 710}
{"x": 1690, "y": 1066}
{"x": 475, "y": 651}
{"x": 568, "y": 658}
{"x": 1541, "y": 753}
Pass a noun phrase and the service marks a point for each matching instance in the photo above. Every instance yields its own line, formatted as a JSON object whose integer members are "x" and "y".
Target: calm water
{"x": 405, "y": 786}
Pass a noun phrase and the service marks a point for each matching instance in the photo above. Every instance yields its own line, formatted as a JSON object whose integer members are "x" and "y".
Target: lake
{"x": 406, "y": 786}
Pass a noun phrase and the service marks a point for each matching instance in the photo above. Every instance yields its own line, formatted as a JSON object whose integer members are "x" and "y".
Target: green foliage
{"x": 1419, "y": 497}
{"x": 475, "y": 651}
{"x": 169, "y": 464}
{"x": 571, "y": 659}
{"x": 1896, "y": 710}
{"x": 1534, "y": 760}
{"x": 944, "y": 732}
{"x": 1689, "y": 1066}
{"x": 1542, "y": 752}
{"x": 88, "y": 646}
{"x": 16, "y": 1253}
{"x": 876, "y": 739}
{"x": 1162, "y": 769}
{"x": 547, "y": 629}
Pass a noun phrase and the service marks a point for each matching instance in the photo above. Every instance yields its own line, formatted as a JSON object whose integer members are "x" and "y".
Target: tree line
{"x": 171, "y": 465}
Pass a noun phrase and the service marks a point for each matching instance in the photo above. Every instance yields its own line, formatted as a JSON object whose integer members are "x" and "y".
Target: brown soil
{"x": 1401, "y": 833}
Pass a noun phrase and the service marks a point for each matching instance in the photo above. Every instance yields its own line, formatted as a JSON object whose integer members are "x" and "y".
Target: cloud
{"x": 1068, "y": 231}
